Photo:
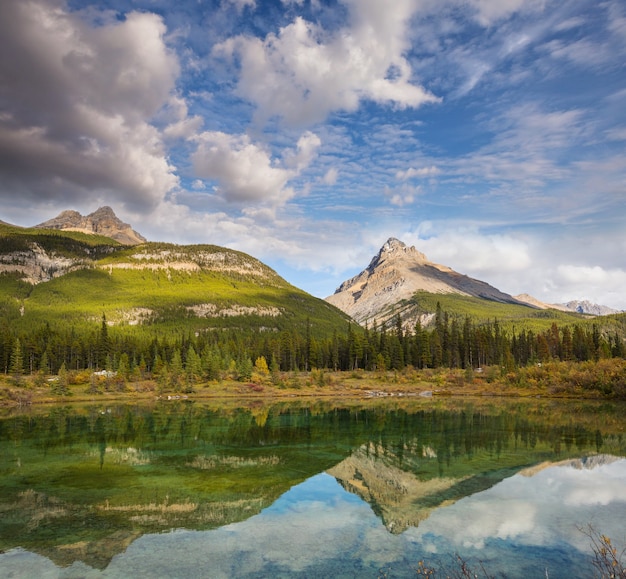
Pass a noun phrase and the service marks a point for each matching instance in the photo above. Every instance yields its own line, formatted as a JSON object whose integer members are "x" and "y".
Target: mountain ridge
{"x": 385, "y": 287}
{"x": 395, "y": 274}
{"x": 575, "y": 306}
{"x": 70, "y": 277}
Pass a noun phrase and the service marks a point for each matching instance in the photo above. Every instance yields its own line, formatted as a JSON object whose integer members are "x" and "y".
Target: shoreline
{"x": 555, "y": 381}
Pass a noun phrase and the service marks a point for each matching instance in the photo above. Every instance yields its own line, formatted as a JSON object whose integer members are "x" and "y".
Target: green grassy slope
{"x": 481, "y": 311}
{"x": 155, "y": 286}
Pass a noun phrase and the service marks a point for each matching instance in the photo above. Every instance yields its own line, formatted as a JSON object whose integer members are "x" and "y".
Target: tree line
{"x": 450, "y": 342}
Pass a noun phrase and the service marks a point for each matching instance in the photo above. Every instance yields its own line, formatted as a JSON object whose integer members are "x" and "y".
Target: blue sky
{"x": 490, "y": 134}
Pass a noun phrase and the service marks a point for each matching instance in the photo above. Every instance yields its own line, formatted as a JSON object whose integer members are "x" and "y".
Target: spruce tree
{"x": 17, "y": 359}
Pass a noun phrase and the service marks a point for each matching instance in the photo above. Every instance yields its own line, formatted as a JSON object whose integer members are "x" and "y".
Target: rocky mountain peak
{"x": 392, "y": 244}
{"x": 394, "y": 249}
{"x": 394, "y": 275}
{"x": 103, "y": 221}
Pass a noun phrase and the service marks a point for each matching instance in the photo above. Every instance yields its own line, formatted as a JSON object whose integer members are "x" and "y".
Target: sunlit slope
{"x": 76, "y": 279}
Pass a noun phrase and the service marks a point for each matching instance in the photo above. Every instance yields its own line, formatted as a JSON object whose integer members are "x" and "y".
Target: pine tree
{"x": 104, "y": 344}
{"x": 193, "y": 364}
{"x": 44, "y": 364}
{"x": 17, "y": 359}
{"x": 176, "y": 369}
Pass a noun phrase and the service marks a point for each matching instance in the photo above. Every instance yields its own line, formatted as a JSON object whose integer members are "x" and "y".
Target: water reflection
{"x": 307, "y": 491}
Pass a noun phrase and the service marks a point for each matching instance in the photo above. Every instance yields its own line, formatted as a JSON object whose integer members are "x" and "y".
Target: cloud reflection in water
{"x": 531, "y": 521}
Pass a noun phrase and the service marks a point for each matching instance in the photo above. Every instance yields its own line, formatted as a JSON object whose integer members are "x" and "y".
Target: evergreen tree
{"x": 244, "y": 369}
{"x": 104, "y": 344}
{"x": 123, "y": 366}
{"x": 193, "y": 365}
{"x": 17, "y": 359}
{"x": 61, "y": 386}
{"x": 567, "y": 347}
{"x": 176, "y": 370}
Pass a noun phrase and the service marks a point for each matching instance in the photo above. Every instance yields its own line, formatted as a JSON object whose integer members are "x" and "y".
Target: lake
{"x": 310, "y": 488}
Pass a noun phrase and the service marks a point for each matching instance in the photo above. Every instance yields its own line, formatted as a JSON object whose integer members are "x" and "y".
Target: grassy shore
{"x": 604, "y": 379}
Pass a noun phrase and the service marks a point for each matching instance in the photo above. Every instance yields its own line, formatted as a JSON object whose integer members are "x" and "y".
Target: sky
{"x": 489, "y": 134}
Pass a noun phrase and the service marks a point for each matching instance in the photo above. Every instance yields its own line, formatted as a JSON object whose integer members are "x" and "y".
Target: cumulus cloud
{"x": 306, "y": 151}
{"x": 246, "y": 172}
{"x": 304, "y": 72}
{"x": 179, "y": 125}
{"x": 574, "y": 281}
{"x": 472, "y": 252}
{"x": 77, "y": 99}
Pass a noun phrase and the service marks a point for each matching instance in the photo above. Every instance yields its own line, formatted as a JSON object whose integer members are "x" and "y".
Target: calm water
{"x": 309, "y": 490}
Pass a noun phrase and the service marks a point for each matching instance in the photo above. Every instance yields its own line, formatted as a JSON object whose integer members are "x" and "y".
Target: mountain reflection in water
{"x": 308, "y": 490}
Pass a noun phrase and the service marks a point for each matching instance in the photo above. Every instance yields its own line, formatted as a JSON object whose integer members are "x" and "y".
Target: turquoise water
{"x": 319, "y": 491}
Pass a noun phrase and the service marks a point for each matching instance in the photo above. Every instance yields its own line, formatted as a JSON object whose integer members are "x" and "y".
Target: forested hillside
{"x": 82, "y": 301}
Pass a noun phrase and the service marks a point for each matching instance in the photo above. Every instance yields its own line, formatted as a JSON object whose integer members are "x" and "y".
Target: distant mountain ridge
{"x": 577, "y": 306}
{"x": 587, "y": 307}
{"x": 103, "y": 221}
{"x": 395, "y": 274}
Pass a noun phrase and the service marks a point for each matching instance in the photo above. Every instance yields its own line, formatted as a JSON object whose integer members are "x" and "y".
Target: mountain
{"x": 532, "y": 301}
{"x": 576, "y": 306}
{"x": 71, "y": 278}
{"x": 395, "y": 274}
{"x": 103, "y": 221}
{"x": 586, "y": 307}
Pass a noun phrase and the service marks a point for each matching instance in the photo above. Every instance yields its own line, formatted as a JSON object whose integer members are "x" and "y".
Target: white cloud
{"x": 241, "y": 4}
{"x": 531, "y": 147}
{"x": 422, "y": 172}
{"x": 604, "y": 285}
{"x": 331, "y": 176}
{"x": 616, "y": 134}
{"x": 474, "y": 253}
{"x": 401, "y": 200}
{"x": 246, "y": 171}
{"x": 304, "y": 72}
{"x": 306, "y": 151}
{"x": 77, "y": 109}
{"x": 243, "y": 169}
{"x": 545, "y": 509}
{"x": 179, "y": 124}
{"x": 403, "y": 195}
{"x": 583, "y": 52}
{"x": 273, "y": 235}
{"x": 487, "y": 12}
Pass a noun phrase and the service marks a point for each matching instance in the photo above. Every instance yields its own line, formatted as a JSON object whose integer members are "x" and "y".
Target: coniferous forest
{"x": 450, "y": 343}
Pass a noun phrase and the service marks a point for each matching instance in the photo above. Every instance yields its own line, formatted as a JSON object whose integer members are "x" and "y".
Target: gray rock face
{"x": 586, "y": 307}
{"x": 395, "y": 274}
{"x": 578, "y": 306}
{"x": 103, "y": 221}
{"x": 36, "y": 265}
